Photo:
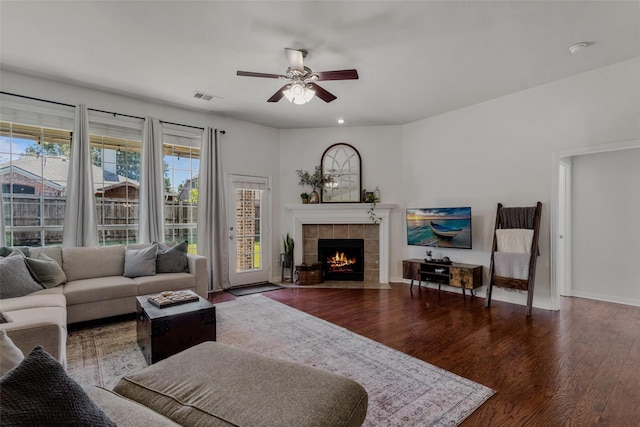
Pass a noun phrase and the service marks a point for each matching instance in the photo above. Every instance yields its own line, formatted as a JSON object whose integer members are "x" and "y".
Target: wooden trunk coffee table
{"x": 165, "y": 331}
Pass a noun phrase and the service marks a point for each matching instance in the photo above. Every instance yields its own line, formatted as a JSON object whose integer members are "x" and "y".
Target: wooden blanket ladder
{"x": 529, "y": 218}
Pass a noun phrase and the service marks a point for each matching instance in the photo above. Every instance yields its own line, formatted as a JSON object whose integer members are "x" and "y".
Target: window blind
{"x": 243, "y": 182}
{"x": 181, "y": 136}
{"x": 118, "y": 127}
{"x": 36, "y": 113}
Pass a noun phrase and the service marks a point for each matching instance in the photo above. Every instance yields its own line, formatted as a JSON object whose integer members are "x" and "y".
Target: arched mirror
{"x": 341, "y": 165}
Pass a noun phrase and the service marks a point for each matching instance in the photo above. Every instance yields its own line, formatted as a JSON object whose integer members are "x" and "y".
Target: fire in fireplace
{"x": 342, "y": 259}
{"x": 341, "y": 262}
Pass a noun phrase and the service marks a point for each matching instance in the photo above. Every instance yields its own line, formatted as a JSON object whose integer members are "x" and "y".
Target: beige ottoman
{"x": 213, "y": 384}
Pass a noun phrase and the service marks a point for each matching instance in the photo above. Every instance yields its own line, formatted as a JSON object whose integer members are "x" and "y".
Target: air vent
{"x": 204, "y": 96}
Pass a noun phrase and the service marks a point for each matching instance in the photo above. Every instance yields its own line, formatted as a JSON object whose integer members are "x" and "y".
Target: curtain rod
{"x": 68, "y": 105}
{"x": 115, "y": 114}
{"x": 37, "y": 99}
{"x": 222, "y": 131}
{"x": 180, "y": 124}
{"x": 99, "y": 111}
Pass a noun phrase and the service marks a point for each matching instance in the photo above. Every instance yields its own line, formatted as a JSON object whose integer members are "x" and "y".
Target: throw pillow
{"x": 38, "y": 392}
{"x": 15, "y": 279}
{"x": 46, "y": 271}
{"x": 4, "y": 317}
{"x": 173, "y": 260}
{"x": 10, "y": 355}
{"x": 87, "y": 263}
{"x": 7, "y": 250}
{"x": 140, "y": 262}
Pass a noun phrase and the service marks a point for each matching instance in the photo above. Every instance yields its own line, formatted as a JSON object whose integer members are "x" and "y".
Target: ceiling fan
{"x": 302, "y": 87}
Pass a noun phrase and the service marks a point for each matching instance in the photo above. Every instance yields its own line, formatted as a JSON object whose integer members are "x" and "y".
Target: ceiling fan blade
{"x": 278, "y": 95}
{"x": 323, "y": 94}
{"x": 252, "y": 74}
{"x": 295, "y": 57}
{"x": 338, "y": 75}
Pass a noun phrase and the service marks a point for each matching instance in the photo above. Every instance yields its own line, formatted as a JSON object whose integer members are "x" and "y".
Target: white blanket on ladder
{"x": 517, "y": 240}
{"x": 512, "y": 265}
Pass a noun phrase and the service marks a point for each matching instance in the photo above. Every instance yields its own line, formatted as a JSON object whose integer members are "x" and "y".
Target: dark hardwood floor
{"x": 579, "y": 366}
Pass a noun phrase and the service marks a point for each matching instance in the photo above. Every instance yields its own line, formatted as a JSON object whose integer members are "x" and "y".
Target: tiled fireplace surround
{"x": 369, "y": 232}
{"x": 343, "y": 221}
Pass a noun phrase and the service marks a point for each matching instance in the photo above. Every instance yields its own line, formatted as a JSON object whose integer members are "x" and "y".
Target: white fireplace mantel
{"x": 344, "y": 213}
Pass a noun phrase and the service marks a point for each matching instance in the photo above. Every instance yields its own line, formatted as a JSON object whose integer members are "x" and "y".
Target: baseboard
{"x": 498, "y": 294}
{"x": 606, "y": 298}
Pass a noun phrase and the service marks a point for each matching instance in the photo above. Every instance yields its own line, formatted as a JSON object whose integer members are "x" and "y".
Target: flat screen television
{"x": 439, "y": 227}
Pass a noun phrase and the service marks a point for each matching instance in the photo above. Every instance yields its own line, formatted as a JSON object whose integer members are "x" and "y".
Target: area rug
{"x": 255, "y": 288}
{"x": 103, "y": 354}
{"x": 402, "y": 390}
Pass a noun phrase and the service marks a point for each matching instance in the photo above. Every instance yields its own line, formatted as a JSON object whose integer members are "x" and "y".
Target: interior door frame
{"x": 564, "y": 157}
{"x": 563, "y": 234}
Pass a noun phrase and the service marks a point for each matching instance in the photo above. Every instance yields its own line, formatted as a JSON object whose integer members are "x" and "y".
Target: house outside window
{"x": 116, "y": 181}
{"x": 34, "y": 162}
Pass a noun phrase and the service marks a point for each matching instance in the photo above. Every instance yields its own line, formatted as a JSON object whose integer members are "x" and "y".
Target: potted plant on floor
{"x": 286, "y": 258}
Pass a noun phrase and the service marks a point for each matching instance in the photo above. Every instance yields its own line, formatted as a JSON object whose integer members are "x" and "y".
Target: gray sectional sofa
{"x": 95, "y": 287}
{"x": 211, "y": 384}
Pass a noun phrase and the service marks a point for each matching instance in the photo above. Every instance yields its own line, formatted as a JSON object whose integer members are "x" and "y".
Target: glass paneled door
{"x": 248, "y": 243}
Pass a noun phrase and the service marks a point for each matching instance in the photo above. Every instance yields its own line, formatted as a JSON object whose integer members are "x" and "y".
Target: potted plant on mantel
{"x": 372, "y": 197}
{"x": 316, "y": 180}
{"x": 305, "y": 198}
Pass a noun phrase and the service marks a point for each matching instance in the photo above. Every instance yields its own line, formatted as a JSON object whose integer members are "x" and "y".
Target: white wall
{"x": 501, "y": 151}
{"x": 380, "y": 148}
{"x": 496, "y": 151}
{"x": 606, "y": 229}
{"x": 247, "y": 148}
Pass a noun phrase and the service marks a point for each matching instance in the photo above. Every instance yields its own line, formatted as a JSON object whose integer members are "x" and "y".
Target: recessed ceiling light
{"x": 340, "y": 121}
{"x": 575, "y": 48}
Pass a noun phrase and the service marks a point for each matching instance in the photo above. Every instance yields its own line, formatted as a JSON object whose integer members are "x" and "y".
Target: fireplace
{"x": 342, "y": 259}
{"x": 344, "y": 220}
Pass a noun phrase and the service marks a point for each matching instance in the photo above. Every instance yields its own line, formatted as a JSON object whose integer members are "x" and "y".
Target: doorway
{"x": 249, "y": 256}
{"x": 562, "y": 213}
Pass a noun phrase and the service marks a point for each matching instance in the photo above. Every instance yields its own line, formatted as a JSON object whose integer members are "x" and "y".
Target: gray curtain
{"x": 151, "y": 214}
{"x": 80, "y": 217}
{"x": 3, "y": 237}
{"x": 212, "y": 218}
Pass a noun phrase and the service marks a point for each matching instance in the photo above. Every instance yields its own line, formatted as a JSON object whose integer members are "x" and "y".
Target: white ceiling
{"x": 415, "y": 59}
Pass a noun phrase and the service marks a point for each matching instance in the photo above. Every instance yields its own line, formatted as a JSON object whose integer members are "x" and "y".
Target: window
{"x": 181, "y": 167}
{"x": 115, "y": 156}
{"x": 248, "y": 235}
{"x": 33, "y": 174}
{"x": 247, "y": 249}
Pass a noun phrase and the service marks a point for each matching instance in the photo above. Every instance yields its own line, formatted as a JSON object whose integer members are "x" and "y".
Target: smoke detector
{"x": 575, "y": 48}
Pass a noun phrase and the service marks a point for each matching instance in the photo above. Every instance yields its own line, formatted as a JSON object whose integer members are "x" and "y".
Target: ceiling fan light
{"x": 298, "y": 93}
{"x": 288, "y": 94}
{"x": 297, "y": 89}
{"x": 308, "y": 94}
